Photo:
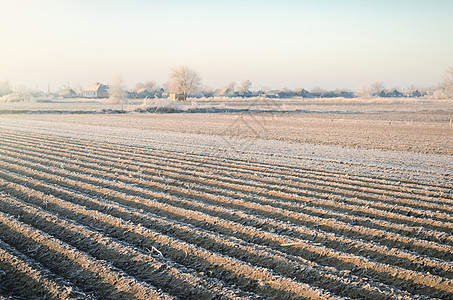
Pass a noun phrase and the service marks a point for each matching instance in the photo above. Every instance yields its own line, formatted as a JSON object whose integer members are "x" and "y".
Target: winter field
{"x": 240, "y": 199}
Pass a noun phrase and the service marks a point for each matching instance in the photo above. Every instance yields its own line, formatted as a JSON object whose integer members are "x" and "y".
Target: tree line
{"x": 185, "y": 81}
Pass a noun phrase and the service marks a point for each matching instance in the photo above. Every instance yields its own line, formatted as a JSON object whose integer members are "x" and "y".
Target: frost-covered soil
{"x": 407, "y": 140}
{"x": 322, "y": 200}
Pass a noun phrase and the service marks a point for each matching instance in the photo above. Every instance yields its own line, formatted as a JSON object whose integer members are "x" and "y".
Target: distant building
{"x": 147, "y": 93}
{"x": 177, "y": 97}
{"x": 300, "y": 92}
{"x": 417, "y": 94}
{"x": 97, "y": 90}
{"x": 382, "y": 94}
{"x": 144, "y": 93}
{"x": 225, "y": 92}
{"x": 346, "y": 94}
{"x": 67, "y": 93}
{"x": 274, "y": 94}
{"x": 395, "y": 93}
{"x": 279, "y": 94}
{"x": 248, "y": 93}
{"x": 391, "y": 94}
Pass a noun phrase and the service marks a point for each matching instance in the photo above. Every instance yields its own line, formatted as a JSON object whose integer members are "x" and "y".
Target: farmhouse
{"x": 147, "y": 93}
{"x": 67, "y": 93}
{"x": 97, "y": 90}
{"x": 279, "y": 94}
{"x": 225, "y": 92}
{"x": 301, "y": 92}
{"x": 395, "y": 94}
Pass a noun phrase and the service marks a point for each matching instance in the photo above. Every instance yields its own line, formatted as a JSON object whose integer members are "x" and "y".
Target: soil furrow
{"x": 140, "y": 264}
{"x": 245, "y": 166}
{"x": 230, "y": 269}
{"x": 24, "y": 276}
{"x": 363, "y": 215}
{"x": 269, "y": 211}
{"x": 256, "y": 209}
{"x": 406, "y": 209}
{"x": 146, "y": 154}
{"x": 260, "y": 255}
{"x": 73, "y": 264}
{"x": 324, "y": 252}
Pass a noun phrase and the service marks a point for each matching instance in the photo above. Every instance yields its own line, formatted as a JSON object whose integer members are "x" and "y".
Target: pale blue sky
{"x": 291, "y": 43}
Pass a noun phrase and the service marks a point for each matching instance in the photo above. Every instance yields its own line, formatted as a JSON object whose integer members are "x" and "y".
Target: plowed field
{"x": 91, "y": 219}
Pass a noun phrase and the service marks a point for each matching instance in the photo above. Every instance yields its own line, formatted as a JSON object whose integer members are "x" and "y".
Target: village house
{"x": 67, "y": 93}
{"x": 301, "y": 92}
{"x": 392, "y": 94}
{"x": 97, "y": 90}
{"x": 279, "y": 94}
{"x": 225, "y": 92}
{"x": 147, "y": 93}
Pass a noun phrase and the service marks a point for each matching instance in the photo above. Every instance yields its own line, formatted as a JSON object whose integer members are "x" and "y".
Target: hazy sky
{"x": 293, "y": 43}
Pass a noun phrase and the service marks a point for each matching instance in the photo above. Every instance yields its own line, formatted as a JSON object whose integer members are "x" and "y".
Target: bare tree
{"x": 207, "y": 91}
{"x": 317, "y": 90}
{"x": 245, "y": 85}
{"x": 150, "y": 85}
{"x": 23, "y": 93}
{"x": 5, "y": 88}
{"x": 183, "y": 80}
{"x": 231, "y": 86}
{"x": 376, "y": 88}
{"x": 117, "y": 91}
{"x": 446, "y": 85}
{"x": 363, "y": 92}
{"x": 139, "y": 86}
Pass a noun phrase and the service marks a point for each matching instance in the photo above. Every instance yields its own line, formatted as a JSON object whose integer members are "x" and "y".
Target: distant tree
{"x": 5, "y": 88}
{"x": 446, "y": 85}
{"x": 117, "y": 91}
{"x": 78, "y": 89}
{"x": 23, "y": 93}
{"x": 150, "y": 85}
{"x": 410, "y": 89}
{"x": 139, "y": 86}
{"x": 231, "y": 86}
{"x": 363, "y": 92}
{"x": 207, "y": 91}
{"x": 376, "y": 88}
{"x": 317, "y": 90}
{"x": 183, "y": 80}
{"x": 394, "y": 88}
{"x": 245, "y": 85}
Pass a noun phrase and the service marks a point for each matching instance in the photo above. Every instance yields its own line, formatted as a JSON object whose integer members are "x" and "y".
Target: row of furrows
{"x": 413, "y": 188}
{"x": 22, "y": 276}
{"x": 136, "y": 187}
{"x": 89, "y": 211}
{"x": 124, "y": 244}
{"x": 348, "y": 181}
{"x": 154, "y": 189}
{"x": 375, "y": 199}
{"x": 359, "y": 206}
{"x": 69, "y": 262}
{"x": 143, "y": 264}
{"x": 289, "y": 199}
{"x": 345, "y": 257}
